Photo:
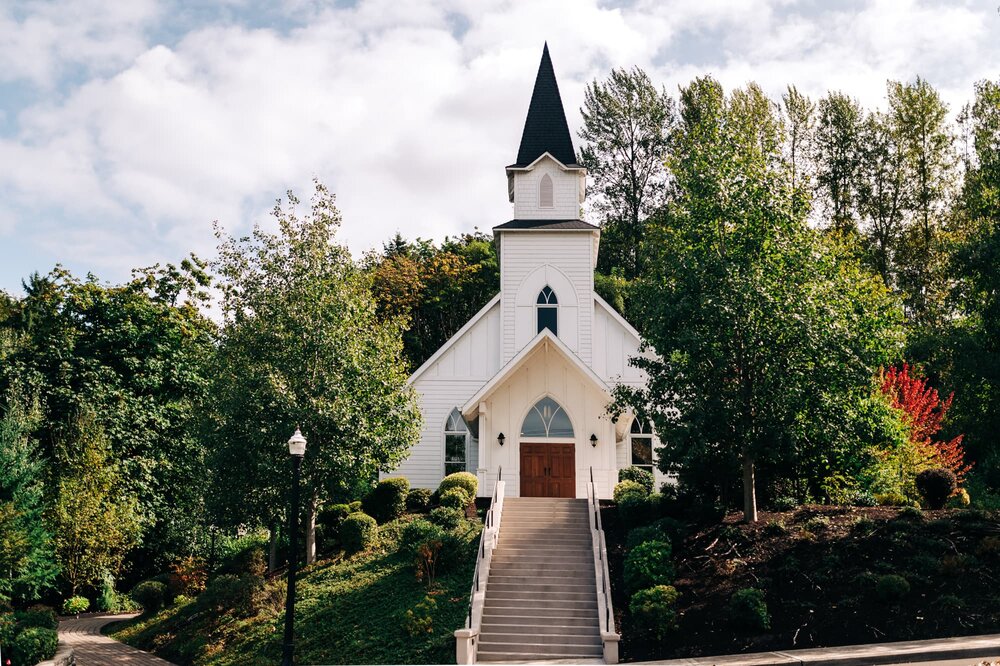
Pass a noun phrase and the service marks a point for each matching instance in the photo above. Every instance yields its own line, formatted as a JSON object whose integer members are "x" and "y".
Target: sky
{"x": 128, "y": 128}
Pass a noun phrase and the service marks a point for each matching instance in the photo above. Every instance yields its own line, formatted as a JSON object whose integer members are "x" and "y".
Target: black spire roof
{"x": 545, "y": 129}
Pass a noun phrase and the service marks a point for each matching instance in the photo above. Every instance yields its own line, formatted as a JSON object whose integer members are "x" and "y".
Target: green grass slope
{"x": 349, "y": 611}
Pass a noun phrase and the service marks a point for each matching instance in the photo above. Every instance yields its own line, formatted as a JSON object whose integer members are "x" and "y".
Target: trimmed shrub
{"x": 388, "y": 499}
{"x": 455, "y": 498}
{"x": 910, "y": 513}
{"x": 354, "y": 506}
{"x": 748, "y": 610}
{"x": 333, "y": 515}
{"x": 959, "y": 500}
{"x": 33, "y": 645}
{"x": 416, "y": 532}
{"x": 76, "y": 605}
{"x": 150, "y": 595}
{"x": 418, "y": 500}
{"x": 37, "y": 616}
{"x": 891, "y": 587}
{"x": 893, "y": 499}
{"x": 648, "y": 565}
{"x": 447, "y": 517}
{"x": 421, "y": 537}
{"x": 936, "y": 486}
{"x": 189, "y": 574}
{"x": 653, "y": 610}
{"x": 629, "y": 488}
{"x": 358, "y": 532}
{"x": 464, "y": 480}
{"x": 639, "y": 475}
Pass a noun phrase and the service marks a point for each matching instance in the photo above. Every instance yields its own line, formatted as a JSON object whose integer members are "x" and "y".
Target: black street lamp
{"x": 297, "y": 449}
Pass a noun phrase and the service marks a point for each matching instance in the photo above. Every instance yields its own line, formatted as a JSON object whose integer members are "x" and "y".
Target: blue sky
{"x": 127, "y": 128}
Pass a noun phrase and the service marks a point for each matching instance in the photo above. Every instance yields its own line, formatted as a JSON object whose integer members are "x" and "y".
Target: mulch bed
{"x": 818, "y": 567}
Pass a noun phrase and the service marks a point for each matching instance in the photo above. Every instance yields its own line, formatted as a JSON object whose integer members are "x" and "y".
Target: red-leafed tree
{"x": 924, "y": 413}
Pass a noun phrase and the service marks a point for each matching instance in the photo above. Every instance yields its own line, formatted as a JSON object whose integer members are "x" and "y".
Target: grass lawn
{"x": 349, "y": 611}
{"x": 819, "y": 568}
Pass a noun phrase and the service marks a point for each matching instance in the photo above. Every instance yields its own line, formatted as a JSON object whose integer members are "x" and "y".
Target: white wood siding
{"x": 565, "y": 193}
{"x": 614, "y": 345}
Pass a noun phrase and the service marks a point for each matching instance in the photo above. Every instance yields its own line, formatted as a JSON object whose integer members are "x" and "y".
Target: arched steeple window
{"x": 547, "y": 306}
{"x": 641, "y": 443}
{"x": 546, "y": 419}
{"x": 545, "y": 191}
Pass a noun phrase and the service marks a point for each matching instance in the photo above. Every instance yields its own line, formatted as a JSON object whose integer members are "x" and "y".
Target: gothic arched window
{"x": 546, "y": 419}
{"x": 547, "y": 306}
{"x": 641, "y": 443}
{"x": 456, "y": 443}
{"x": 545, "y": 191}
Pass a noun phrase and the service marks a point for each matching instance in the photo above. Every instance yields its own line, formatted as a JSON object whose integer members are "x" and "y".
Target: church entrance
{"x": 548, "y": 470}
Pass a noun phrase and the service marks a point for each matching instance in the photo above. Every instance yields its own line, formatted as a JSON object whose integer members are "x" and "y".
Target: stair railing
{"x": 609, "y": 637}
{"x": 466, "y": 639}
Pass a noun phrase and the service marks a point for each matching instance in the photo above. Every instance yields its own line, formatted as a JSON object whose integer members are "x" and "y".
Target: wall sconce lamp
{"x": 593, "y": 440}
{"x": 501, "y": 439}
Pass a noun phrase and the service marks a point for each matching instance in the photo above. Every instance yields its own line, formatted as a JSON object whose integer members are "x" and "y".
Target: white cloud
{"x": 407, "y": 120}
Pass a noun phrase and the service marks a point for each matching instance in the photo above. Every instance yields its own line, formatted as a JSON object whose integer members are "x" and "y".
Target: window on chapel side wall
{"x": 456, "y": 443}
{"x": 641, "y": 445}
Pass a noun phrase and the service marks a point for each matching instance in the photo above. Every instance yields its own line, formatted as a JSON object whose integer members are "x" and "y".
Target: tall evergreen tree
{"x": 838, "y": 144}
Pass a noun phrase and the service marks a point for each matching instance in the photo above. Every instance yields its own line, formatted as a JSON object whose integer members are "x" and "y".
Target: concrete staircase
{"x": 541, "y": 598}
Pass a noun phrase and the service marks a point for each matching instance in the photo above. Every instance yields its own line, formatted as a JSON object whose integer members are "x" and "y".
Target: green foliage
{"x": 936, "y": 486}
{"x": 76, "y": 605}
{"x": 748, "y": 610}
{"x": 302, "y": 342}
{"x": 37, "y": 616}
{"x": 455, "y": 498}
{"x": 664, "y": 529}
{"x": 34, "y": 644}
{"x": 358, "y": 532}
{"x": 647, "y": 565}
{"x": 387, "y": 501}
{"x": 767, "y": 335}
{"x": 893, "y": 499}
{"x": 418, "y": 500}
{"x": 775, "y": 528}
{"x": 464, "y": 480}
{"x": 653, "y": 611}
{"x": 420, "y": 619}
{"x": 910, "y": 513}
{"x": 891, "y": 587}
{"x": 150, "y": 595}
{"x": 110, "y": 600}
{"x": 626, "y": 488}
{"x": 240, "y": 595}
{"x": 8, "y": 627}
{"x": 638, "y": 475}
{"x": 447, "y": 517}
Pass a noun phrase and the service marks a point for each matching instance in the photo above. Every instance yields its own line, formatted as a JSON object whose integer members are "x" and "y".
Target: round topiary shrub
{"x": 76, "y": 605}
{"x": 891, "y": 587}
{"x": 467, "y": 482}
{"x": 936, "y": 486}
{"x": 629, "y": 488}
{"x": 639, "y": 475}
{"x": 653, "y": 610}
{"x": 648, "y": 565}
{"x": 358, "y": 532}
{"x": 38, "y": 615}
{"x": 748, "y": 610}
{"x": 447, "y": 517}
{"x": 388, "y": 499}
{"x": 150, "y": 595}
{"x": 664, "y": 529}
{"x": 455, "y": 498}
{"x": 33, "y": 645}
{"x": 418, "y": 500}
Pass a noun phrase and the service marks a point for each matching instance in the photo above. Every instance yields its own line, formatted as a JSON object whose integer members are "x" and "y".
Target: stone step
{"x": 556, "y": 615}
{"x": 551, "y": 627}
{"x": 523, "y": 579}
{"x": 558, "y": 588}
{"x": 540, "y": 639}
{"x": 543, "y": 560}
{"x": 528, "y": 603}
{"x": 502, "y": 591}
{"x": 495, "y": 651}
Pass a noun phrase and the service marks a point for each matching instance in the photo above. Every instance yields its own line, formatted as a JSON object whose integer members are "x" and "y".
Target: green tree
{"x": 626, "y": 125}
{"x": 303, "y": 344}
{"x": 838, "y": 144}
{"x": 27, "y": 561}
{"x": 800, "y": 114}
{"x": 766, "y": 339}
{"x": 94, "y": 518}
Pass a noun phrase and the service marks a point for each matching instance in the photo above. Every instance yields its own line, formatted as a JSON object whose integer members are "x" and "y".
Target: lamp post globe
{"x": 297, "y": 450}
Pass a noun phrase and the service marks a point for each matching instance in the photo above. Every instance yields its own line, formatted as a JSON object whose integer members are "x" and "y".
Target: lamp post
{"x": 297, "y": 449}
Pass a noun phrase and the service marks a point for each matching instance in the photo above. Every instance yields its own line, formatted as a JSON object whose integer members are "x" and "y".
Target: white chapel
{"x": 522, "y": 388}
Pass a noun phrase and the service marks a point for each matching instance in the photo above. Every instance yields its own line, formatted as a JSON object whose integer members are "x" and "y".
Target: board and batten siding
{"x": 529, "y": 261}
{"x": 468, "y": 362}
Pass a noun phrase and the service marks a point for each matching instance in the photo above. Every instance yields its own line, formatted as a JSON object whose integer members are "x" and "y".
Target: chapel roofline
{"x": 545, "y": 127}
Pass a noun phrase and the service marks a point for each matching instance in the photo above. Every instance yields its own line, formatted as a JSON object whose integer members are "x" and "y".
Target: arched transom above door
{"x": 546, "y": 418}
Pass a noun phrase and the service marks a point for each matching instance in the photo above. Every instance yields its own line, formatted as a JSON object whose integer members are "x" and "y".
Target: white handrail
{"x": 609, "y": 637}
{"x": 466, "y": 638}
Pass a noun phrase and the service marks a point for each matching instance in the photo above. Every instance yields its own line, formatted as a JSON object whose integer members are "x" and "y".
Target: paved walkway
{"x": 94, "y": 649}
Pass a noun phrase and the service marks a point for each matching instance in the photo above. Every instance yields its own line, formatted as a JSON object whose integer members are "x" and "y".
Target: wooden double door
{"x": 548, "y": 470}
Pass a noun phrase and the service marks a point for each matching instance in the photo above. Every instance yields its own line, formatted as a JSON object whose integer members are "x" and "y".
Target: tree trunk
{"x": 311, "y": 507}
{"x": 749, "y": 490}
{"x": 272, "y": 551}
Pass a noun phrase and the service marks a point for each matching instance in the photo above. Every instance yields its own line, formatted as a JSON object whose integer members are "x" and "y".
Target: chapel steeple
{"x": 545, "y": 128}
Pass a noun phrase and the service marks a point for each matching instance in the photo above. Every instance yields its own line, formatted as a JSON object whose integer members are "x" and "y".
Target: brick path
{"x": 94, "y": 649}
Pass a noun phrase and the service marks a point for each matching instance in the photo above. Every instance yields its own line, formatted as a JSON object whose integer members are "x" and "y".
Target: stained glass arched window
{"x": 456, "y": 443}
{"x": 641, "y": 442}
{"x": 546, "y": 419}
